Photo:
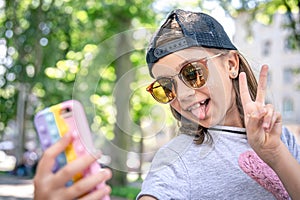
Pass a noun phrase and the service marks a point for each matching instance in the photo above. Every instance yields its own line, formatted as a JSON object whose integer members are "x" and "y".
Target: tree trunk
{"x": 19, "y": 143}
{"x": 121, "y": 95}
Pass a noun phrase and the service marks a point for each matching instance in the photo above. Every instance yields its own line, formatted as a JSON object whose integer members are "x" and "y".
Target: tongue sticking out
{"x": 200, "y": 112}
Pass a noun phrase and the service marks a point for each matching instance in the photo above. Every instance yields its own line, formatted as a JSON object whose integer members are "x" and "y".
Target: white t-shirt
{"x": 226, "y": 168}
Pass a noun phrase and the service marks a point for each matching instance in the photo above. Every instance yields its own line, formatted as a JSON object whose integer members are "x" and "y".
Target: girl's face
{"x": 213, "y": 103}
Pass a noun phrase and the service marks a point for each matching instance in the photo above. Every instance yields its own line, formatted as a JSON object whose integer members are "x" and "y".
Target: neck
{"x": 233, "y": 118}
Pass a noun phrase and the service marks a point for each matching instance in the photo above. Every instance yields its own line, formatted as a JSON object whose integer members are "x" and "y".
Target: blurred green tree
{"x": 44, "y": 44}
{"x": 54, "y": 50}
{"x": 263, "y": 11}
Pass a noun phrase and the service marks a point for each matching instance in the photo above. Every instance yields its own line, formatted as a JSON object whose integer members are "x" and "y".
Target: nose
{"x": 183, "y": 91}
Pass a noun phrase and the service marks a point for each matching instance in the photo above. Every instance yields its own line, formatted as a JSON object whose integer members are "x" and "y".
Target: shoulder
{"x": 172, "y": 152}
{"x": 287, "y": 136}
{"x": 168, "y": 177}
{"x": 289, "y": 139}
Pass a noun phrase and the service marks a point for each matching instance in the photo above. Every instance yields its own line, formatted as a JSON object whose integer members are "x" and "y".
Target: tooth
{"x": 197, "y": 105}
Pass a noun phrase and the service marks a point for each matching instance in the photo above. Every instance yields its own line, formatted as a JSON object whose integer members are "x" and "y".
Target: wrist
{"x": 275, "y": 157}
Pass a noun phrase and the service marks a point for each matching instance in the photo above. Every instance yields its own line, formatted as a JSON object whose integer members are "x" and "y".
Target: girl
{"x": 231, "y": 144}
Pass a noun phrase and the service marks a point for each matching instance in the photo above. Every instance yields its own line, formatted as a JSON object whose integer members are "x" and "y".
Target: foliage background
{"x": 55, "y": 50}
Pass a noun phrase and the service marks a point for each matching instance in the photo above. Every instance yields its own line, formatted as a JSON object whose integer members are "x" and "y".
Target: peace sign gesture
{"x": 263, "y": 123}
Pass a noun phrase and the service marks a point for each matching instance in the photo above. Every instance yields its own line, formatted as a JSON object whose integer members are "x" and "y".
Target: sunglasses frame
{"x": 202, "y": 60}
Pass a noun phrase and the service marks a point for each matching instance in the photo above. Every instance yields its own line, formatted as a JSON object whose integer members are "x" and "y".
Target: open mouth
{"x": 199, "y": 109}
{"x": 198, "y": 105}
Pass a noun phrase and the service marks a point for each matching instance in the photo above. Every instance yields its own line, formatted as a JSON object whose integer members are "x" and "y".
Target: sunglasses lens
{"x": 163, "y": 90}
{"x": 194, "y": 74}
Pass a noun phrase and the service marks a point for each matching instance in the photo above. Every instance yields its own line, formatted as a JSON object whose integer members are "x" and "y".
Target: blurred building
{"x": 269, "y": 44}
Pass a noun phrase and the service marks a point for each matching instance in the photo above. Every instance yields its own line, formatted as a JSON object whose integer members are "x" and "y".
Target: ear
{"x": 233, "y": 64}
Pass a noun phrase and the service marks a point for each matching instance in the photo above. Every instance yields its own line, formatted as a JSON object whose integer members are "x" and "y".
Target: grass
{"x": 129, "y": 193}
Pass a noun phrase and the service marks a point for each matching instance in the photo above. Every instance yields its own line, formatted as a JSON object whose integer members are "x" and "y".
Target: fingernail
{"x": 105, "y": 171}
{"x": 108, "y": 172}
{"x": 107, "y": 189}
{"x": 265, "y": 125}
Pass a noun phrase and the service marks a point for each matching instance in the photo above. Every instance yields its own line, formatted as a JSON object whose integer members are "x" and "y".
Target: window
{"x": 266, "y": 48}
{"x": 290, "y": 43}
{"x": 287, "y": 75}
{"x": 288, "y": 106}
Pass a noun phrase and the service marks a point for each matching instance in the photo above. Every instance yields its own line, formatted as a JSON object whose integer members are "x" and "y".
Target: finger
{"x": 47, "y": 161}
{"x": 97, "y": 194}
{"x": 276, "y": 120}
{"x": 77, "y": 166}
{"x": 262, "y": 84}
{"x": 87, "y": 184}
{"x": 255, "y": 119}
{"x": 269, "y": 117}
{"x": 244, "y": 91}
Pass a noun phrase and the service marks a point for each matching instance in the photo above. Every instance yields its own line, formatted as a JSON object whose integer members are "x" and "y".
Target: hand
{"x": 263, "y": 123}
{"x": 52, "y": 186}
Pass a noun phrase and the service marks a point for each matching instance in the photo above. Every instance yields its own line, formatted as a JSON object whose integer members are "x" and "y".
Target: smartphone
{"x": 67, "y": 117}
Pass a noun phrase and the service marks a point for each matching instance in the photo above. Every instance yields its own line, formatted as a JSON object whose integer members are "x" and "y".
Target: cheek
{"x": 217, "y": 85}
{"x": 175, "y": 105}
{"x": 220, "y": 90}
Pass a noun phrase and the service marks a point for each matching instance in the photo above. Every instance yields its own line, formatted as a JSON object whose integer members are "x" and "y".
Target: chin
{"x": 208, "y": 122}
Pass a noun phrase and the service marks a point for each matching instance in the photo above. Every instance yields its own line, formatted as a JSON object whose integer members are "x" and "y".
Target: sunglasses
{"x": 194, "y": 75}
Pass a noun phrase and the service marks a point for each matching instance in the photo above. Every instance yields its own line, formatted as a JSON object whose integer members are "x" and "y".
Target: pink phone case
{"x": 67, "y": 117}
